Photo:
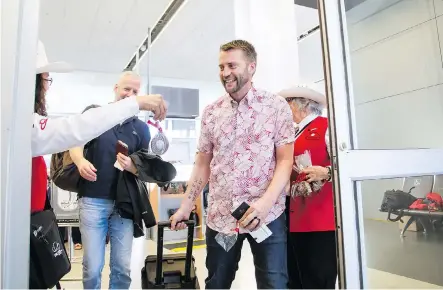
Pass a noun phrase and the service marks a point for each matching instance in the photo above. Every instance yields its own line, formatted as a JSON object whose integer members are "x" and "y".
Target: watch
{"x": 329, "y": 173}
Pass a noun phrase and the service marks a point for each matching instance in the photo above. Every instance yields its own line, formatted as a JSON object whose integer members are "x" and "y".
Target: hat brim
{"x": 303, "y": 92}
{"x": 56, "y": 67}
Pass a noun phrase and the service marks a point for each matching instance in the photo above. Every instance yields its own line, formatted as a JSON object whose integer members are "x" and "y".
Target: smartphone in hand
{"x": 240, "y": 211}
{"x": 260, "y": 234}
{"x": 122, "y": 147}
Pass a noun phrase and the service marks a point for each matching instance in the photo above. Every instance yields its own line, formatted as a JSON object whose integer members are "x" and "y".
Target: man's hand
{"x": 126, "y": 163}
{"x": 87, "y": 170}
{"x": 182, "y": 214}
{"x": 255, "y": 216}
{"x": 316, "y": 173}
{"x": 153, "y": 103}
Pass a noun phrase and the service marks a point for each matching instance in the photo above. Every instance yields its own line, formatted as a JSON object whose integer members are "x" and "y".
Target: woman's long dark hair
{"x": 40, "y": 96}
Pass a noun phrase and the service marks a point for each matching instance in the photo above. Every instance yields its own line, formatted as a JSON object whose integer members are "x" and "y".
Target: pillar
{"x": 18, "y": 46}
{"x": 271, "y": 27}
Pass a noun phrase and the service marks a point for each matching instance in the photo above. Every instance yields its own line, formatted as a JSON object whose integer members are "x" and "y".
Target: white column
{"x": 271, "y": 27}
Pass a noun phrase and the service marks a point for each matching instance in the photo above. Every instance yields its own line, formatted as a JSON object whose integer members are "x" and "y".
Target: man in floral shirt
{"x": 245, "y": 150}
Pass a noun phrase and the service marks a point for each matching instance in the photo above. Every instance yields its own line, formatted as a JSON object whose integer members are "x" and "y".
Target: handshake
{"x": 153, "y": 103}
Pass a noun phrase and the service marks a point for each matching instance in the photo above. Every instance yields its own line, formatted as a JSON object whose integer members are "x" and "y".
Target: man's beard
{"x": 240, "y": 80}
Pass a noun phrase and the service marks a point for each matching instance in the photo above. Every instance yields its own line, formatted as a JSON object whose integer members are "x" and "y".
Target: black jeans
{"x": 312, "y": 260}
{"x": 269, "y": 259}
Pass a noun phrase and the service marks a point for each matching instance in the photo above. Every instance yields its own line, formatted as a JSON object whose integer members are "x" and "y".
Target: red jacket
{"x": 314, "y": 213}
{"x": 39, "y": 183}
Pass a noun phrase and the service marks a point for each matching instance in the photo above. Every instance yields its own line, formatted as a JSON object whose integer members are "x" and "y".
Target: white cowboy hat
{"x": 303, "y": 91}
{"x": 44, "y": 66}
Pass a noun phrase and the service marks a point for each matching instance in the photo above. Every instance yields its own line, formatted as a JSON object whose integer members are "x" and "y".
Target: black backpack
{"x": 49, "y": 261}
{"x": 396, "y": 200}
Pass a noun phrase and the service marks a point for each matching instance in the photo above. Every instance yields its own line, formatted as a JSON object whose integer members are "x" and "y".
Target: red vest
{"x": 314, "y": 213}
{"x": 39, "y": 183}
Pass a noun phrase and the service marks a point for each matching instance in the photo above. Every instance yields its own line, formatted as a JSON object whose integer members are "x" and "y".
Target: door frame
{"x": 18, "y": 41}
{"x": 347, "y": 160}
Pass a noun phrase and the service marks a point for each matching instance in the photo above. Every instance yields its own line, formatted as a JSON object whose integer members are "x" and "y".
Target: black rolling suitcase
{"x": 173, "y": 270}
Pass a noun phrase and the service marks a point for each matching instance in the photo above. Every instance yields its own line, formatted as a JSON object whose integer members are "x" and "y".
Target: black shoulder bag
{"x": 49, "y": 261}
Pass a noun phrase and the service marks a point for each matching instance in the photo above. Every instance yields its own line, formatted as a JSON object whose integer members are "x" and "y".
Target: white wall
{"x": 397, "y": 73}
{"x": 71, "y": 93}
{"x": 309, "y": 48}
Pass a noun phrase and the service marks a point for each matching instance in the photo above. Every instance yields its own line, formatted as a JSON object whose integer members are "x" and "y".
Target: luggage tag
{"x": 227, "y": 241}
{"x": 159, "y": 143}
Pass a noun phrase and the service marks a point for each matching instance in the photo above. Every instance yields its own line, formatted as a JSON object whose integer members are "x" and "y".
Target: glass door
{"x": 384, "y": 81}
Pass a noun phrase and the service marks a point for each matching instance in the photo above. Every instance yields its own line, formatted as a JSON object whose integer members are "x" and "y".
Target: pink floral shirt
{"x": 242, "y": 138}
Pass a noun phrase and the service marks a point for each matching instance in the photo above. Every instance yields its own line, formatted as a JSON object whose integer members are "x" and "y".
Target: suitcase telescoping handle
{"x": 190, "y": 240}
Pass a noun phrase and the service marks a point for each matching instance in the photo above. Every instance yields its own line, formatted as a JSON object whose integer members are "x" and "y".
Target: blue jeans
{"x": 97, "y": 217}
{"x": 270, "y": 259}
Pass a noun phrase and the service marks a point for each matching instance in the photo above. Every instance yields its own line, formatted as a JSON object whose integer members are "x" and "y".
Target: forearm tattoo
{"x": 195, "y": 189}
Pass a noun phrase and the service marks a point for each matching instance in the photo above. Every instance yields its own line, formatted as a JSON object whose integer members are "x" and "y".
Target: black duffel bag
{"x": 49, "y": 261}
{"x": 394, "y": 201}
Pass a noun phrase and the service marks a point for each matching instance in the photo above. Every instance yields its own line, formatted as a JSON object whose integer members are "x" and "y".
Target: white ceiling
{"x": 103, "y": 35}
{"x": 188, "y": 48}
{"x": 96, "y": 35}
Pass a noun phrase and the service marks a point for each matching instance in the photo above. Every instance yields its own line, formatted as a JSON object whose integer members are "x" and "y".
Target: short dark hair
{"x": 243, "y": 45}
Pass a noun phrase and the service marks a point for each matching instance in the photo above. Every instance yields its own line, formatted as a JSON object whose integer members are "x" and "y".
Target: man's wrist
{"x": 187, "y": 204}
{"x": 133, "y": 170}
{"x": 268, "y": 198}
{"x": 78, "y": 160}
{"x": 76, "y": 154}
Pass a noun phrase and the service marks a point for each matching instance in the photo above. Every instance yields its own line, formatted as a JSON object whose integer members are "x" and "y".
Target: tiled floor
{"x": 245, "y": 276}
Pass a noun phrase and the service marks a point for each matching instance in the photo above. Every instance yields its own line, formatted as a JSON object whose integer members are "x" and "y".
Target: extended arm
{"x": 52, "y": 135}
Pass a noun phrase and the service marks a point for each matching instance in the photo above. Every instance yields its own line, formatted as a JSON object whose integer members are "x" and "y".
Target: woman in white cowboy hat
{"x": 312, "y": 260}
{"x": 52, "y": 135}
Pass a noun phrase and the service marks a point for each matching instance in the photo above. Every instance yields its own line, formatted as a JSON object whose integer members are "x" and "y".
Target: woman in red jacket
{"x": 312, "y": 262}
